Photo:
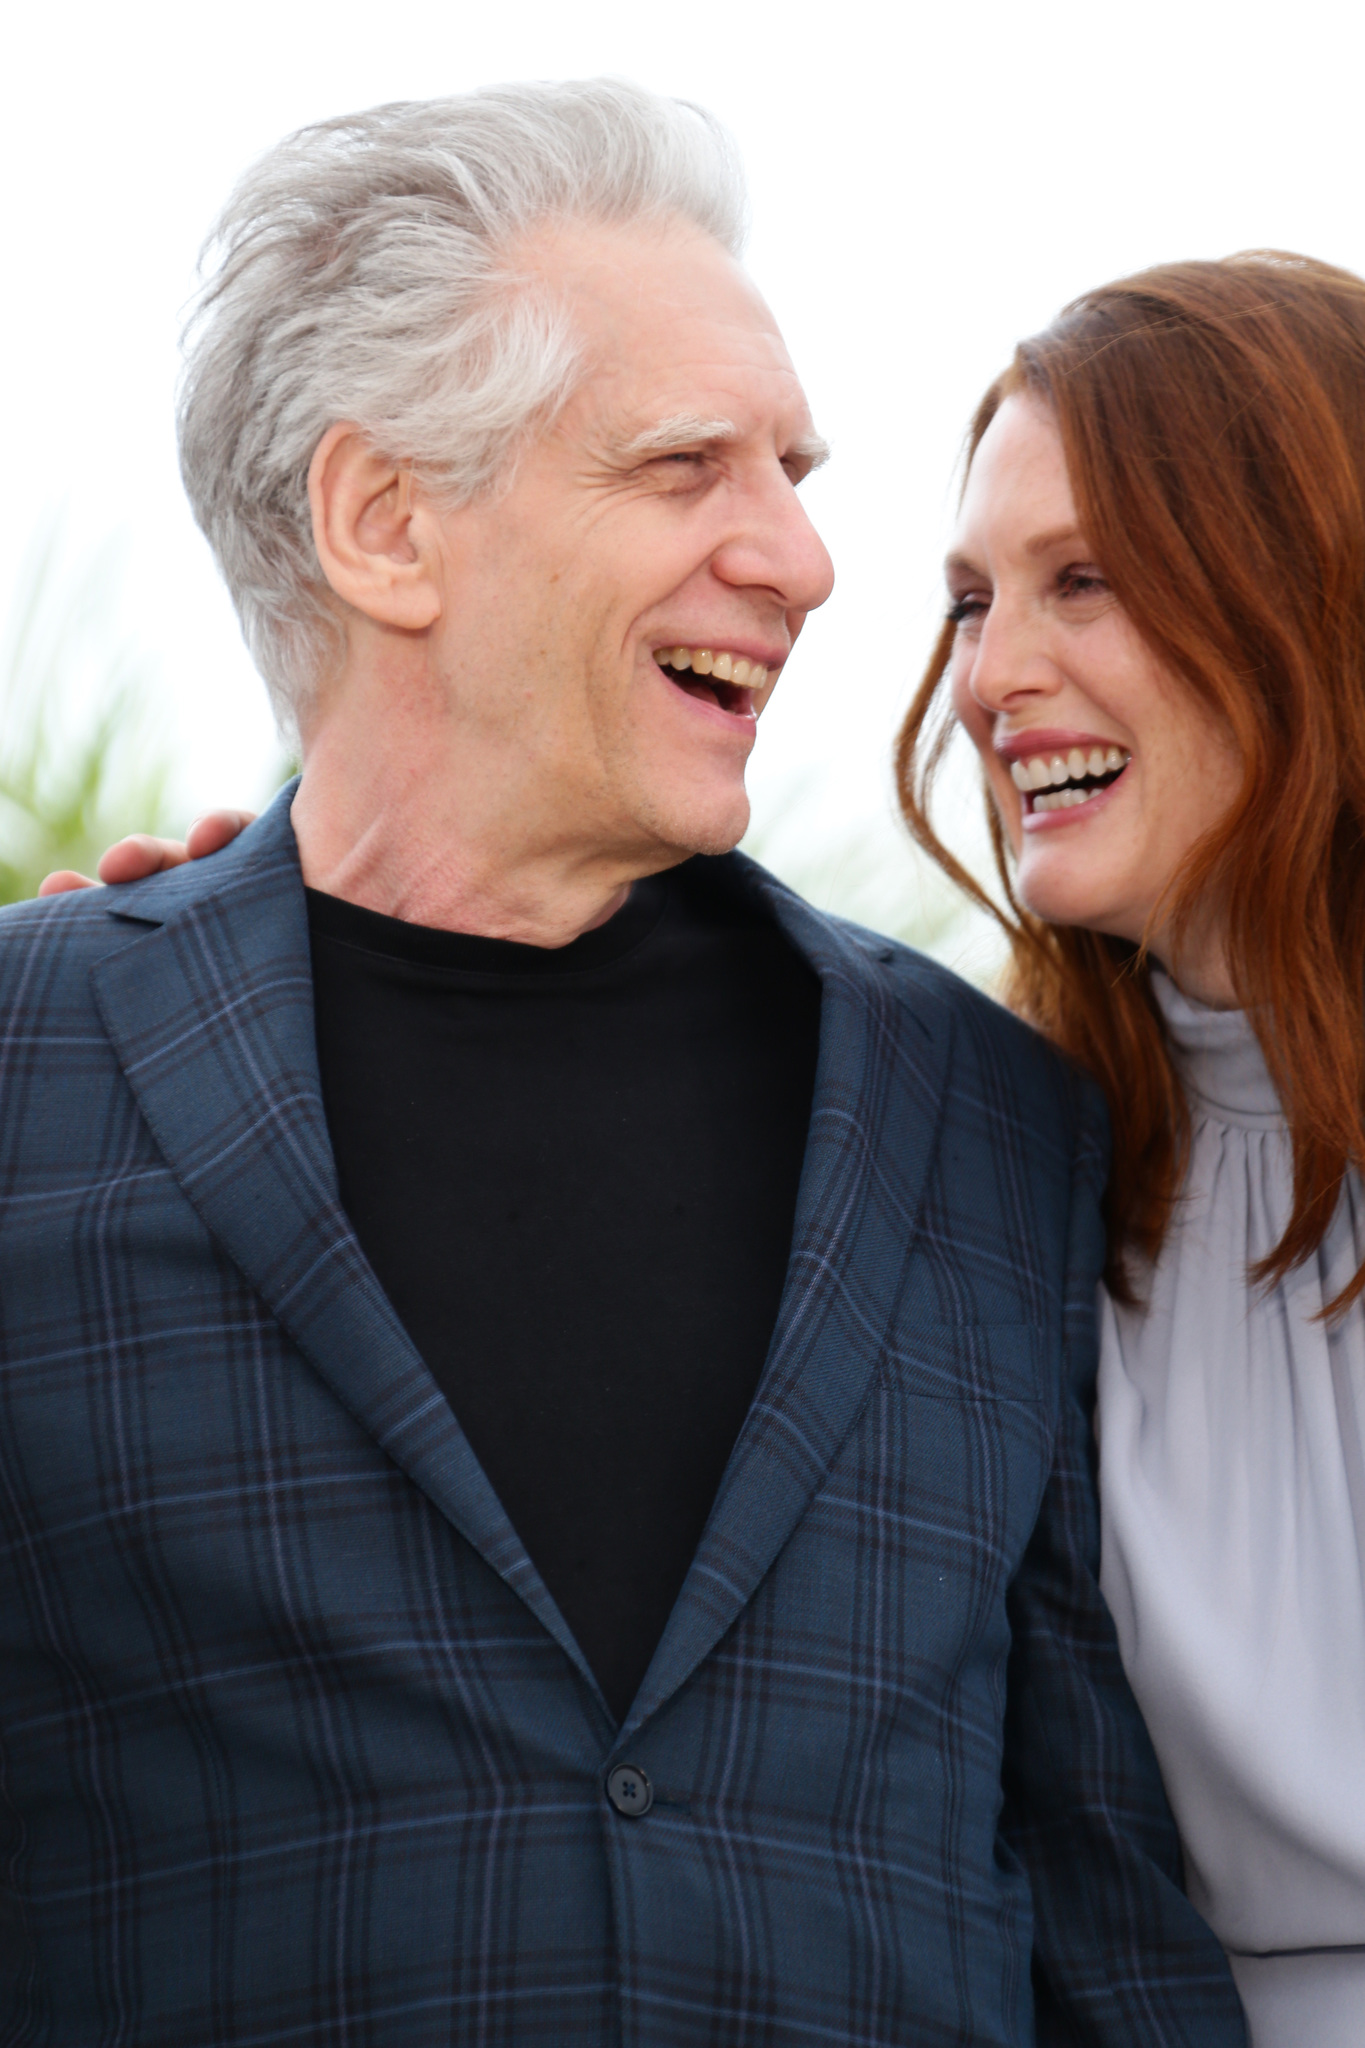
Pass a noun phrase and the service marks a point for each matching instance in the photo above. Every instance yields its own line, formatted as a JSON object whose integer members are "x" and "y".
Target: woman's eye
{"x": 1081, "y": 582}
{"x": 964, "y": 609}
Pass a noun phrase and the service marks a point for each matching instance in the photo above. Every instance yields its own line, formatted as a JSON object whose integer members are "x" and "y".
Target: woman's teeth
{"x": 1061, "y": 799}
{"x": 1057, "y": 782}
{"x": 704, "y": 661}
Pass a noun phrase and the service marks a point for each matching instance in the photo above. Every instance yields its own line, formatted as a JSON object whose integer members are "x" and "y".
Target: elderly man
{"x": 545, "y": 1465}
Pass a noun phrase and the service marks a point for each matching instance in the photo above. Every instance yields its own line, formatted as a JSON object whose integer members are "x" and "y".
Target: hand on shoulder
{"x": 140, "y": 855}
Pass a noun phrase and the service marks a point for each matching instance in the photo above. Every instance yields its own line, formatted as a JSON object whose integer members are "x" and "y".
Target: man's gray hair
{"x": 361, "y": 274}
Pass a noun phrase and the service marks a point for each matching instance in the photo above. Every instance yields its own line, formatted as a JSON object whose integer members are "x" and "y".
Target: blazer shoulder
{"x": 919, "y": 978}
{"x": 1000, "y": 1068}
{"x": 1039, "y": 1082}
{"x": 47, "y": 941}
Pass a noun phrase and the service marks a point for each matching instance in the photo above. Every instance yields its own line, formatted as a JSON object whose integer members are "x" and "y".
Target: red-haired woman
{"x": 1157, "y": 642}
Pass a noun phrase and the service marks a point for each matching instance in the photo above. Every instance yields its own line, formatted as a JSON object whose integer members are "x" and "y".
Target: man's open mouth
{"x": 1058, "y": 782}
{"x": 729, "y": 681}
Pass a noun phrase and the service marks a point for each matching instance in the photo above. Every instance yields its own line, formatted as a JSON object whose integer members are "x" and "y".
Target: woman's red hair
{"x": 1213, "y": 420}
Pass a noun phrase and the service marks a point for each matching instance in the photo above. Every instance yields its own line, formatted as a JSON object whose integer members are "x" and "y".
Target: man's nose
{"x": 776, "y": 547}
{"x": 1012, "y": 659}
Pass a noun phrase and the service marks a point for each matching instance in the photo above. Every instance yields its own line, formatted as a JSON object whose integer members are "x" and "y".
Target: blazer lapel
{"x": 210, "y": 1014}
{"x": 211, "y": 1017}
{"x": 874, "y": 1124}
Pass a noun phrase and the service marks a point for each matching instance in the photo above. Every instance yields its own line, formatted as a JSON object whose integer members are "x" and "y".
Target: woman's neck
{"x": 1200, "y": 970}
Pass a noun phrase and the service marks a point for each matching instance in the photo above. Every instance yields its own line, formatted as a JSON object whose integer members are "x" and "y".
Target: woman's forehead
{"x": 1018, "y": 492}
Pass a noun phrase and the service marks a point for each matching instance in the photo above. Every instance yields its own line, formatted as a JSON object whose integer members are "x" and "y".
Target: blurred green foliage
{"x": 82, "y": 759}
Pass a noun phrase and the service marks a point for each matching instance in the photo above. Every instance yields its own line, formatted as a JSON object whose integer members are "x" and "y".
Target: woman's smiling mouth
{"x": 1059, "y": 780}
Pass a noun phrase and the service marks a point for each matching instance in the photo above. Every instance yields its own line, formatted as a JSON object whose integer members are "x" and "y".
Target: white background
{"x": 929, "y": 183}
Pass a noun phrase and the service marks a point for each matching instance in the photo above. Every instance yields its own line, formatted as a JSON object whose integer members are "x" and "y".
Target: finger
{"x": 57, "y": 883}
{"x": 215, "y": 830}
{"x": 139, "y": 855}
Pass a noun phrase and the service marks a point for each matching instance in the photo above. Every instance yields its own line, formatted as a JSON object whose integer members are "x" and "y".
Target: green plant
{"x": 81, "y": 762}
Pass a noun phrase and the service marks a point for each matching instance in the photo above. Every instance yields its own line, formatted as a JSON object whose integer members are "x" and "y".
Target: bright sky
{"x": 928, "y": 184}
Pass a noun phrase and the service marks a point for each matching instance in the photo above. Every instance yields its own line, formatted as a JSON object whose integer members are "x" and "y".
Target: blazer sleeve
{"x": 1120, "y": 1956}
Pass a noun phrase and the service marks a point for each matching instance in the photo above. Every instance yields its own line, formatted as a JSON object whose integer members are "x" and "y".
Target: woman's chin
{"x": 1073, "y": 898}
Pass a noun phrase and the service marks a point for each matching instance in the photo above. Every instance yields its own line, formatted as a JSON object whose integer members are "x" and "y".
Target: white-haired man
{"x": 545, "y": 1459}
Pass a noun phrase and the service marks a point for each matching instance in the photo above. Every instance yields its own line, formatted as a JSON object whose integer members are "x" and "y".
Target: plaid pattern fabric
{"x": 294, "y": 1745}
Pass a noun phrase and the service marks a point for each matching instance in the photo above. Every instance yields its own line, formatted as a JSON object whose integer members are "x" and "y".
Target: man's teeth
{"x": 1058, "y": 775}
{"x": 704, "y": 661}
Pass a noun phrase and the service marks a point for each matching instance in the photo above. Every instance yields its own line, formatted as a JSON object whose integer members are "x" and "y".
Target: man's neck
{"x": 403, "y": 838}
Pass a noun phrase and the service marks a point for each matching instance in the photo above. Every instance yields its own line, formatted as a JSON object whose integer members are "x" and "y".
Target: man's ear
{"x": 374, "y": 539}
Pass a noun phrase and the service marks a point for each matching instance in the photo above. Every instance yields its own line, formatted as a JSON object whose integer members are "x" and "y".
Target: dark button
{"x": 629, "y": 1790}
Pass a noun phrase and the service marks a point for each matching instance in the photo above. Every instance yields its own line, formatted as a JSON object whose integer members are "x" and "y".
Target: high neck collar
{"x": 1219, "y": 1058}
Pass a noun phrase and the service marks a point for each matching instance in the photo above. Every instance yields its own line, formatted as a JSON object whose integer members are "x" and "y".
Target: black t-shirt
{"x": 574, "y": 1171}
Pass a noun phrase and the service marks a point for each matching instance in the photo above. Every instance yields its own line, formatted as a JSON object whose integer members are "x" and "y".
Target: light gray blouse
{"x": 1232, "y": 1469}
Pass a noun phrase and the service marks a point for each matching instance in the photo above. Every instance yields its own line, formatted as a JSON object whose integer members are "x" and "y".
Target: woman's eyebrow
{"x": 1039, "y": 544}
{"x": 1057, "y": 536}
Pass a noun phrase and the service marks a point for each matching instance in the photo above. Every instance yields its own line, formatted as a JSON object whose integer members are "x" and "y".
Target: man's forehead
{"x": 680, "y": 344}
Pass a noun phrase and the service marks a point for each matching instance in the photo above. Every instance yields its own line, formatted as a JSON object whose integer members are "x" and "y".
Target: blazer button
{"x": 629, "y": 1791}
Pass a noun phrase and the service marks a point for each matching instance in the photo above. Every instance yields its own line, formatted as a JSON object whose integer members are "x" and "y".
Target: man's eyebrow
{"x": 680, "y": 430}
{"x": 812, "y": 449}
{"x": 686, "y": 429}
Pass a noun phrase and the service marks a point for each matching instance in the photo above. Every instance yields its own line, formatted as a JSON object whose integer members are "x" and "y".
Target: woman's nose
{"x": 1010, "y": 660}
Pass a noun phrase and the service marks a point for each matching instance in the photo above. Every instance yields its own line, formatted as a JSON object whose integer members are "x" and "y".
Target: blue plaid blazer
{"x": 295, "y": 1746}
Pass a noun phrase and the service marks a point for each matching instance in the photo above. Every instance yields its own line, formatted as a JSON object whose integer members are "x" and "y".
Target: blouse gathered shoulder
{"x": 1232, "y": 1460}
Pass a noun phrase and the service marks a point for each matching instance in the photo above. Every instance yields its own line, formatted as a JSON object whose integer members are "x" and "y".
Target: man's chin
{"x": 718, "y": 842}
{"x": 712, "y": 827}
